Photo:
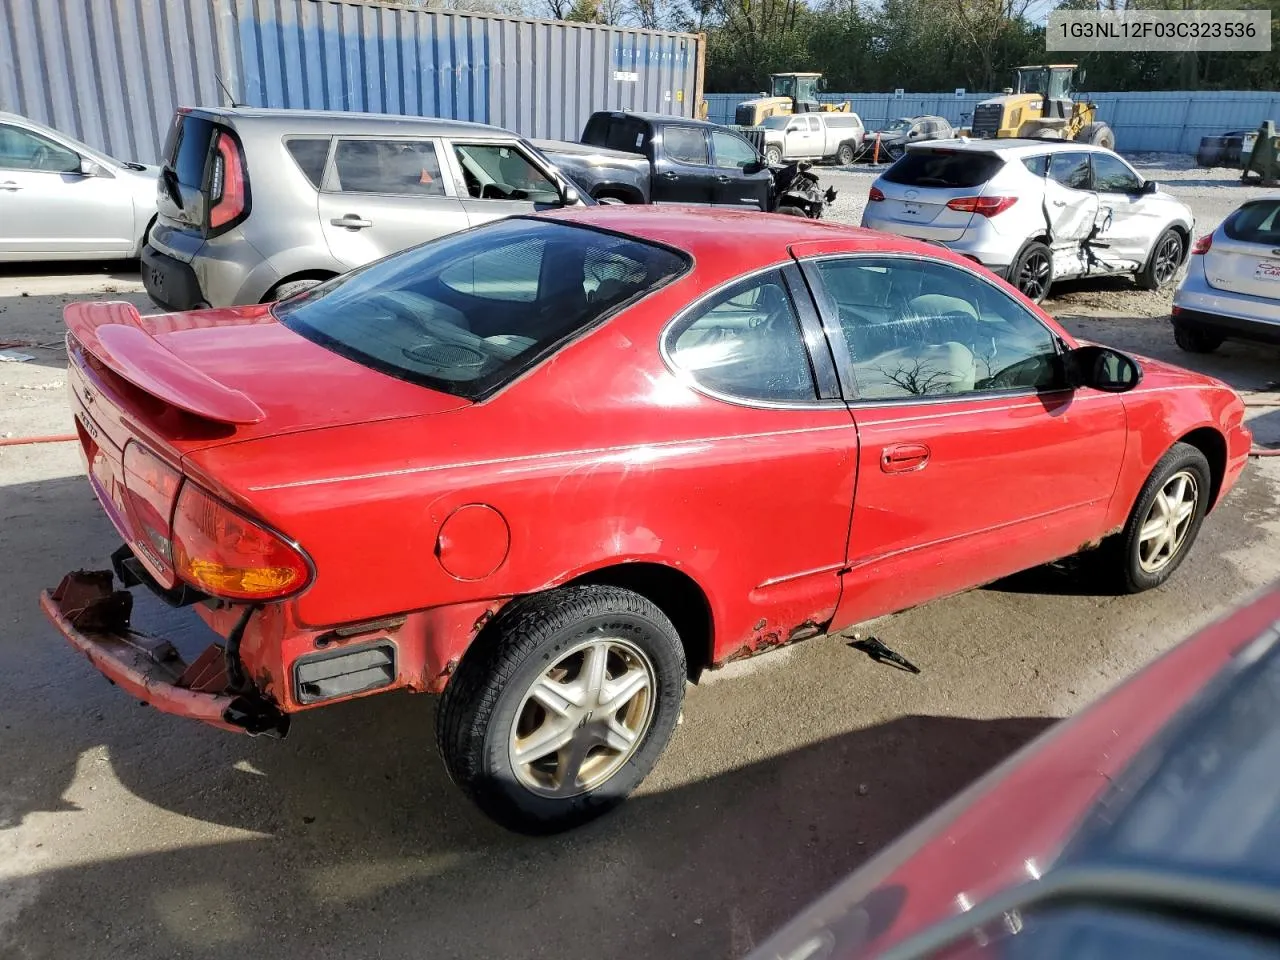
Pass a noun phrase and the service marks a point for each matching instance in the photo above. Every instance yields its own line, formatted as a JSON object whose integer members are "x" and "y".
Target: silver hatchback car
{"x": 258, "y": 205}
{"x": 1232, "y": 287}
{"x": 1034, "y": 211}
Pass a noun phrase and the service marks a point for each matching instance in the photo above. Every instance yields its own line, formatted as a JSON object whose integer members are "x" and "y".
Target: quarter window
{"x": 310, "y": 153}
{"x": 917, "y": 329}
{"x": 1070, "y": 169}
{"x": 685, "y": 144}
{"x": 1037, "y": 165}
{"x": 1112, "y": 175}
{"x": 745, "y": 342}
{"x": 388, "y": 166}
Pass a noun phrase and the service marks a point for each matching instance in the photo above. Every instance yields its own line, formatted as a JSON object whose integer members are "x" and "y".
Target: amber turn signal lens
{"x": 224, "y": 553}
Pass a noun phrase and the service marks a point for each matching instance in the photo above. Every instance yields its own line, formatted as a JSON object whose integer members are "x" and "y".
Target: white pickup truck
{"x": 813, "y": 136}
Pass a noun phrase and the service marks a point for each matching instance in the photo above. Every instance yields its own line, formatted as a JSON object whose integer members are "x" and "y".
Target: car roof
{"x": 1011, "y": 147}
{"x": 711, "y": 235}
{"x": 335, "y": 121}
{"x": 661, "y": 118}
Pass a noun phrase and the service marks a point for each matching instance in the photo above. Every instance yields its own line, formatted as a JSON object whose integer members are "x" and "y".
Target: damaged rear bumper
{"x": 94, "y": 617}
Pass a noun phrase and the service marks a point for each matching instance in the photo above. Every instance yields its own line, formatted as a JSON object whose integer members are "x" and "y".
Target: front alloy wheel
{"x": 1165, "y": 529}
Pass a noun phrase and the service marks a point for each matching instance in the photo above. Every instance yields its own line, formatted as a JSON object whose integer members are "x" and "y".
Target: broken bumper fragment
{"x": 94, "y": 617}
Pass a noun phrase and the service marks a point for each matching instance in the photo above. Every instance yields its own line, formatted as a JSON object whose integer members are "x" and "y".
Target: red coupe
{"x": 553, "y": 467}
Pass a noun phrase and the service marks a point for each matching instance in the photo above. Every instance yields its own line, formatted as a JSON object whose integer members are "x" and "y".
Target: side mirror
{"x": 754, "y": 166}
{"x": 1150, "y": 186}
{"x": 569, "y": 196}
{"x": 89, "y": 168}
{"x": 1101, "y": 368}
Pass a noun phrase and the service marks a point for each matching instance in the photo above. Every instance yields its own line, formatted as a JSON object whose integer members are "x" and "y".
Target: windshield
{"x": 467, "y": 313}
{"x": 898, "y": 126}
{"x": 776, "y": 123}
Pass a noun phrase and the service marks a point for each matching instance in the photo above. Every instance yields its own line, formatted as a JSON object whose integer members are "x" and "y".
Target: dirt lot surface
{"x": 124, "y": 833}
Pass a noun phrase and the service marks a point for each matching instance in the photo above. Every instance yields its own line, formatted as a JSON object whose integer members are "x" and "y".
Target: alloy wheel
{"x": 1033, "y": 275}
{"x": 583, "y": 718}
{"x": 1164, "y": 530}
{"x": 1166, "y": 263}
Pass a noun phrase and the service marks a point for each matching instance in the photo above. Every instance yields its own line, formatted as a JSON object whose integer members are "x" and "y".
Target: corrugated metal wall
{"x": 111, "y": 72}
{"x": 1165, "y": 122}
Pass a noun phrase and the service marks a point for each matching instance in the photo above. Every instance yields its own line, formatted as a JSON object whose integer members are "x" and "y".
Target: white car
{"x": 813, "y": 136}
{"x": 1034, "y": 211}
{"x": 62, "y": 200}
{"x": 1232, "y": 286}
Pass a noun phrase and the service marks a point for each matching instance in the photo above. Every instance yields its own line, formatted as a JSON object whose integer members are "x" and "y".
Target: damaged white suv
{"x": 1034, "y": 211}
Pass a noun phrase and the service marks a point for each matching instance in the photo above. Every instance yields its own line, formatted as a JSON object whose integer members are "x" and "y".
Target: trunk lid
{"x": 919, "y": 186}
{"x": 1244, "y": 256}
{"x": 178, "y": 383}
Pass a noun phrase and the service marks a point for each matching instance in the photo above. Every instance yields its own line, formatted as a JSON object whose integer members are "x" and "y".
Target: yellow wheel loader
{"x": 788, "y": 93}
{"x": 1039, "y": 104}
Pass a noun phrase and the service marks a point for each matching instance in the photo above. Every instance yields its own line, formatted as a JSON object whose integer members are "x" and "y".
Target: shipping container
{"x": 111, "y": 72}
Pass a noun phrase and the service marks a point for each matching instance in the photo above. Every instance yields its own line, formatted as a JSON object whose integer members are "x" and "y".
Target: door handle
{"x": 904, "y": 457}
{"x": 10, "y": 186}
{"x": 351, "y": 221}
{"x": 669, "y": 175}
{"x": 724, "y": 179}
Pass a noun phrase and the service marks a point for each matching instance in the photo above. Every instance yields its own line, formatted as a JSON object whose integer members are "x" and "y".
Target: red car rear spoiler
{"x": 113, "y": 332}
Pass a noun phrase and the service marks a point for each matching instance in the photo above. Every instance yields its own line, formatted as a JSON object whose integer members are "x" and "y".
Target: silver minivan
{"x": 257, "y": 205}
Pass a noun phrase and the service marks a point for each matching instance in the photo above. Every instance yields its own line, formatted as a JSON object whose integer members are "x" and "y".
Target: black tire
{"x": 1032, "y": 271}
{"x": 772, "y": 156}
{"x": 1121, "y": 556}
{"x": 290, "y": 288}
{"x": 486, "y": 697}
{"x": 1098, "y": 134}
{"x": 845, "y": 154}
{"x": 790, "y": 211}
{"x": 1162, "y": 267}
{"x": 1195, "y": 341}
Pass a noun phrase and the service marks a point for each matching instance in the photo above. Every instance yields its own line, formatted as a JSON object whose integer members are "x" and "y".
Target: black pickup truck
{"x": 650, "y": 158}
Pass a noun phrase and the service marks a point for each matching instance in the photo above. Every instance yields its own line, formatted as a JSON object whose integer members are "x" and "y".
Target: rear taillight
{"x": 225, "y": 554}
{"x": 1202, "y": 245}
{"x": 226, "y": 188}
{"x": 982, "y": 206}
{"x": 151, "y": 485}
{"x": 875, "y": 194}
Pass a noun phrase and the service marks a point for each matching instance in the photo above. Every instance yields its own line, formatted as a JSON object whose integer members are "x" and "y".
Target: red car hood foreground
{"x": 1010, "y": 827}
{"x": 244, "y": 368}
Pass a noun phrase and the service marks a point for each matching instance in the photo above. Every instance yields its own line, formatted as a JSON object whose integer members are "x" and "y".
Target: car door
{"x": 50, "y": 209}
{"x": 816, "y": 145}
{"x": 682, "y": 165}
{"x": 753, "y": 349}
{"x": 796, "y": 138}
{"x": 383, "y": 194}
{"x": 1071, "y": 212}
{"x": 741, "y": 178}
{"x": 974, "y": 461}
{"x": 1128, "y": 220}
{"x": 500, "y": 179}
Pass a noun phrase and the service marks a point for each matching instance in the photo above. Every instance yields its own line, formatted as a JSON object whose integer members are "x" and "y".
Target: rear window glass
{"x": 943, "y": 168}
{"x": 310, "y": 153}
{"x": 467, "y": 313}
{"x": 1257, "y": 222}
{"x": 188, "y": 148}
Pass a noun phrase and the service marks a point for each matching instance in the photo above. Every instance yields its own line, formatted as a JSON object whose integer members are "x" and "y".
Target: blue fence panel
{"x": 1163, "y": 122}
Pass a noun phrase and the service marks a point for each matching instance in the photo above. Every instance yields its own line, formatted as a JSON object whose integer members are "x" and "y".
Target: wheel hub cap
{"x": 1165, "y": 528}
{"x": 583, "y": 718}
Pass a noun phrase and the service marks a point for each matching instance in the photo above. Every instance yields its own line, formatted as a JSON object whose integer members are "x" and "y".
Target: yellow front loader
{"x": 1039, "y": 104}
{"x": 788, "y": 93}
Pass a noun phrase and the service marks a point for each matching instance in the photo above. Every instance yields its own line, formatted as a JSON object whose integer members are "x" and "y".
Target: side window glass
{"x": 745, "y": 342}
{"x": 731, "y": 151}
{"x": 1037, "y": 165}
{"x": 815, "y": 126}
{"x": 310, "y": 154}
{"x": 408, "y": 167}
{"x": 685, "y": 144}
{"x": 22, "y": 150}
{"x": 918, "y": 329}
{"x": 495, "y": 171}
{"x": 1070, "y": 169}
{"x": 1112, "y": 175}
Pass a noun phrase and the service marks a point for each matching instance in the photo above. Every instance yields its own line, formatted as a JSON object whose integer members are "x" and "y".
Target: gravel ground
{"x": 128, "y": 834}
